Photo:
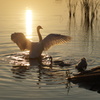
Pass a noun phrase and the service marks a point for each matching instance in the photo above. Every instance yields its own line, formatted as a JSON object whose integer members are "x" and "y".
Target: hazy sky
{"x": 13, "y": 12}
{"x": 39, "y": 6}
{"x": 16, "y": 5}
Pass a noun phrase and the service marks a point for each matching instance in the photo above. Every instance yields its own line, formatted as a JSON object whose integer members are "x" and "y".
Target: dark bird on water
{"x": 81, "y": 67}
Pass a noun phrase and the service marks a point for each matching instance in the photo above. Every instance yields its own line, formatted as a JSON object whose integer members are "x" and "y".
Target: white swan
{"x": 36, "y": 48}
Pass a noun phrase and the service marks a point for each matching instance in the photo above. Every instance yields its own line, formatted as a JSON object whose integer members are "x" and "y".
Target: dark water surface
{"x": 46, "y": 83}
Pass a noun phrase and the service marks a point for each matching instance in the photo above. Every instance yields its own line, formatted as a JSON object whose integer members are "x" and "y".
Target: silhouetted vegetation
{"x": 72, "y": 8}
{"x": 89, "y": 11}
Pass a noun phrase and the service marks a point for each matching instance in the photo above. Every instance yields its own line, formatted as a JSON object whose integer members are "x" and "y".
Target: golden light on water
{"x": 29, "y": 23}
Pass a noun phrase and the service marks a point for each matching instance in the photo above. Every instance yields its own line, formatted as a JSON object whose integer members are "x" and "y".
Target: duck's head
{"x": 83, "y": 59}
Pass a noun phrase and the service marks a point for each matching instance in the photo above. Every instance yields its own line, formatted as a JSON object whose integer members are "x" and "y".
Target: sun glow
{"x": 29, "y": 23}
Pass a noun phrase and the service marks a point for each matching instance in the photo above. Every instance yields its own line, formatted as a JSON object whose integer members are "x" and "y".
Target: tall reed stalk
{"x": 72, "y": 8}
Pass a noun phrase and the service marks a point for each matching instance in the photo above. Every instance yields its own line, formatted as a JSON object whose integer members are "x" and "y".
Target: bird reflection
{"x": 93, "y": 86}
{"x": 26, "y": 64}
{"x": 90, "y": 85}
{"x": 88, "y": 79}
{"x": 43, "y": 73}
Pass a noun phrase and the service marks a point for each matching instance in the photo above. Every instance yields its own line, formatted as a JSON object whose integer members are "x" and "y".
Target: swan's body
{"x": 36, "y": 48}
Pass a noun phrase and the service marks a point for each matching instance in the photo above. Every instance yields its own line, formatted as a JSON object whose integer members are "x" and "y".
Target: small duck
{"x": 81, "y": 67}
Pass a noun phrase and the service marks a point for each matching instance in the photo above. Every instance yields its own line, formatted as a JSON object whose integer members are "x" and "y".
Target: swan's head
{"x": 20, "y": 40}
{"x": 39, "y": 27}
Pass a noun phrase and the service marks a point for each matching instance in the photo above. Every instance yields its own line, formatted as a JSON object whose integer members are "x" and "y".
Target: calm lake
{"x": 55, "y": 16}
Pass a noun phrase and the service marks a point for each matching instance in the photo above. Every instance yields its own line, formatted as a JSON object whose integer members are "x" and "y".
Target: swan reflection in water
{"x": 56, "y": 75}
{"x": 28, "y": 68}
{"x": 21, "y": 63}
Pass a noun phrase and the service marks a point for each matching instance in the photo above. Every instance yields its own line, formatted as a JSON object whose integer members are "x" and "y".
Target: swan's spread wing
{"x": 20, "y": 40}
{"x": 54, "y": 39}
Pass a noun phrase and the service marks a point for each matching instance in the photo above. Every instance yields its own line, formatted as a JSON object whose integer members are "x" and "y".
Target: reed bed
{"x": 89, "y": 10}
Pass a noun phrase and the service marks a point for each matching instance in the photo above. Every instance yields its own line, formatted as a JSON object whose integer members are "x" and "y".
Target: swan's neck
{"x": 39, "y": 35}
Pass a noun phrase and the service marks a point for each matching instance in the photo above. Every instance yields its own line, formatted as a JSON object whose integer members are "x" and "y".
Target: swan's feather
{"x": 20, "y": 40}
{"x": 36, "y": 48}
{"x": 54, "y": 39}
